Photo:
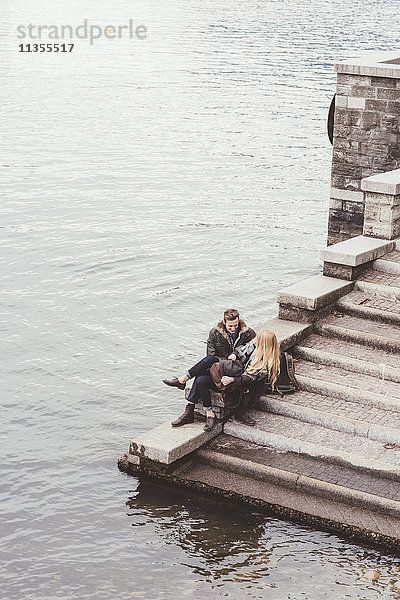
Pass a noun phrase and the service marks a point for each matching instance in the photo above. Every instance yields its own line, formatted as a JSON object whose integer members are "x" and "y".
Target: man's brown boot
{"x": 186, "y": 417}
{"x": 174, "y": 383}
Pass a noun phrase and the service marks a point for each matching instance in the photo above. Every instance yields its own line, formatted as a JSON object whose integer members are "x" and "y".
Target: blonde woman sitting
{"x": 261, "y": 359}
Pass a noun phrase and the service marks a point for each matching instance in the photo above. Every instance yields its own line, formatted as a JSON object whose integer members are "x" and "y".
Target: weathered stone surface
{"x": 302, "y": 315}
{"x": 353, "y": 329}
{"x": 366, "y": 306}
{"x": 288, "y": 333}
{"x": 361, "y": 391}
{"x": 366, "y": 69}
{"x": 308, "y": 466}
{"x": 355, "y": 523}
{"x": 350, "y": 80}
{"x": 167, "y": 444}
{"x": 289, "y": 480}
{"x": 356, "y": 102}
{"x": 348, "y": 195}
{"x": 377, "y": 105}
{"x": 363, "y": 92}
{"x": 291, "y": 435}
{"x": 388, "y": 94}
{"x": 336, "y": 204}
{"x": 385, "y": 82}
{"x": 394, "y": 107}
{"x": 383, "y": 285}
{"x": 388, "y": 265}
{"x": 353, "y": 207}
{"x": 351, "y": 229}
{"x": 383, "y": 183}
{"x": 382, "y": 208}
{"x": 349, "y": 357}
{"x": 345, "y": 272}
{"x": 341, "y": 101}
{"x": 356, "y": 251}
{"x": 307, "y": 408}
{"x": 313, "y": 293}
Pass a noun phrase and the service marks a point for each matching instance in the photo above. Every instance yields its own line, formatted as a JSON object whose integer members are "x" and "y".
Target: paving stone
{"x": 381, "y": 278}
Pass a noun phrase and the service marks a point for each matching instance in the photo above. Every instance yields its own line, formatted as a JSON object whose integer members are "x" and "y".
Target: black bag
{"x": 286, "y": 382}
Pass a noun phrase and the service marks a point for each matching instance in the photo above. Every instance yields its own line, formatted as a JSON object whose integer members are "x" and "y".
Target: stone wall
{"x": 382, "y": 205}
{"x": 366, "y": 137}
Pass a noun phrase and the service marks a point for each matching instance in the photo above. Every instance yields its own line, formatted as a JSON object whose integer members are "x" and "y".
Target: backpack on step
{"x": 286, "y": 382}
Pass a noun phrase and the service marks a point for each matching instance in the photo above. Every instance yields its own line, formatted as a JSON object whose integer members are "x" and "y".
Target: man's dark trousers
{"x": 202, "y": 382}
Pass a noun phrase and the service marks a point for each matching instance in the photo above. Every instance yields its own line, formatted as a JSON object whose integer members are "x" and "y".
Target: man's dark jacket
{"x": 219, "y": 344}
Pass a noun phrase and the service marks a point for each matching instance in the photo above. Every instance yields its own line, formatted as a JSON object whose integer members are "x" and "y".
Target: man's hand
{"x": 225, "y": 380}
{"x": 232, "y": 357}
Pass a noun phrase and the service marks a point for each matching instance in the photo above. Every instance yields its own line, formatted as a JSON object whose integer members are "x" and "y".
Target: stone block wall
{"x": 382, "y": 205}
{"x": 382, "y": 216}
{"x": 366, "y": 138}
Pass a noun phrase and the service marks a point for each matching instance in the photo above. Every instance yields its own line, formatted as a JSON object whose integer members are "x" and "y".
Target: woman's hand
{"x": 232, "y": 357}
{"x": 225, "y": 380}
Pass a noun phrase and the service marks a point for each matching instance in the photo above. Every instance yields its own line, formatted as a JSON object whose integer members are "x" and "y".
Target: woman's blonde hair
{"x": 265, "y": 356}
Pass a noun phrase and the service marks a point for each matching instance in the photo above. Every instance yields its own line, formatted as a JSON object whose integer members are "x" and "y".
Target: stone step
{"x": 349, "y": 357}
{"x": 354, "y": 329}
{"x": 165, "y": 444}
{"x": 288, "y": 434}
{"x": 352, "y": 386}
{"x": 386, "y": 292}
{"x": 292, "y": 503}
{"x": 389, "y": 263}
{"x": 309, "y": 474}
{"x": 367, "y": 305}
{"x": 341, "y": 392}
{"x": 309, "y": 466}
{"x": 356, "y": 251}
{"x": 289, "y": 501}
{"x": 383, "y": 284}
{"x": 336, "y": 414}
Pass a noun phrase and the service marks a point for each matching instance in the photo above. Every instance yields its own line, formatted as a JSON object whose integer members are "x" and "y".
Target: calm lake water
{"x": 146, "y": 186}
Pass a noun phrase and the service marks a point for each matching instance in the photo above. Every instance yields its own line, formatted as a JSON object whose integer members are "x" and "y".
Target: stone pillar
{"x": 366, "y": 136}
{"x": 382, "y": 205}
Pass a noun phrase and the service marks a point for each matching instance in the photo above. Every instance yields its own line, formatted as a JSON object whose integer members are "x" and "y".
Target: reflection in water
{"x": 227, "y": 545}
{"x": 225, "y": 540}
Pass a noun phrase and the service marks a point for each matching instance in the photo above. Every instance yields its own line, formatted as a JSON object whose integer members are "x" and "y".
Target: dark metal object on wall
{"x": 331, "y": 120}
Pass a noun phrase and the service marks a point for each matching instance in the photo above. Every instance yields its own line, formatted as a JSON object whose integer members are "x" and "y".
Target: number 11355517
{"x": 46, "y": 47}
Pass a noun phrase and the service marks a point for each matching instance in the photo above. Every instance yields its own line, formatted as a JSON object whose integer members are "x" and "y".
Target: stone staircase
{"x": 341, "y": 430}
{"x": 328, "y": 454}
